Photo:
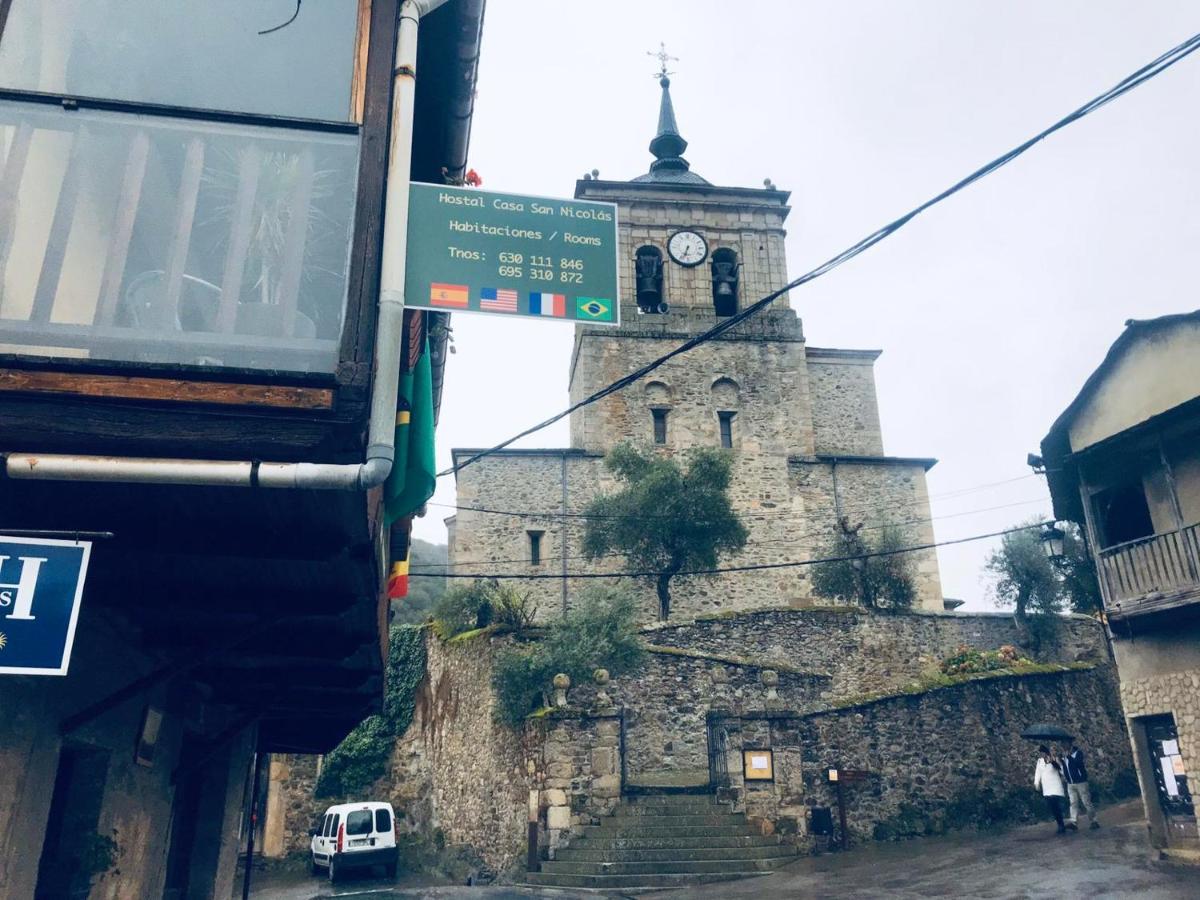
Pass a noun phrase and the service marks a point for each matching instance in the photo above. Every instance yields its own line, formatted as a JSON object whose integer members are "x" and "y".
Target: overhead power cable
{"x": 844, "y": 509}
{"x": 1140, "y": 76}
{"x": 755, "y": 567}
{"x": 790, "y": 539}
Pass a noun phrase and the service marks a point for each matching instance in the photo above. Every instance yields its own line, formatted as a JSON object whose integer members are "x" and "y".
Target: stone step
{"x": 641, "y": 831}
{"x": 632, "y": 882}
{"x": 582, "y": 853}
{"x": 654, "y": 842}
{"x": 667, "y": 821}
{"x": 669, "y": 798}
{"x": 675, "y": 866}
{"x": 672, "y": 809}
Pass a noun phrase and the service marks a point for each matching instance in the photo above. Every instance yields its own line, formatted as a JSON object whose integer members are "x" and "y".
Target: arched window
{"x": 725, "y": 281}
{"x": 648, "y": 271}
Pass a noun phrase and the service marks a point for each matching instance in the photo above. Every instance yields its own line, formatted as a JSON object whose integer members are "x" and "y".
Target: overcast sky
{"x": 991, "y": 310}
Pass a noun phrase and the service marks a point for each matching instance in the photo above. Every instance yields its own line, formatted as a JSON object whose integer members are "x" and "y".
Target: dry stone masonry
{"x": 805, "y": 429}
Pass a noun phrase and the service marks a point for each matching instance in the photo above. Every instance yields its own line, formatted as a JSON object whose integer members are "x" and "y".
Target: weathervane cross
{"x": 663, "y": 58}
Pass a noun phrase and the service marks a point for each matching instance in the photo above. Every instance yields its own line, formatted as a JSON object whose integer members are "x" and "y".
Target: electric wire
{"x": 753, "y": 567}
{"x": 1138, "y": 77}
{"x": 845, "y": 508}
{"x": 791, "y": 539}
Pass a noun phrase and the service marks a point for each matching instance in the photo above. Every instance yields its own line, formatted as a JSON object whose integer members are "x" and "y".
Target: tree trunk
{"x": 1025, "y": 636}
{"x": 664, "y": 596}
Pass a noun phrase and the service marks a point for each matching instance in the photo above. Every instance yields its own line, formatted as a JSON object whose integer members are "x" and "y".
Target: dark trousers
{"x": 1057, "y": 806}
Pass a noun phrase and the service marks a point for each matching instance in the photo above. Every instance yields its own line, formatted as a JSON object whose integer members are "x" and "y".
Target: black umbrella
{"x": 1046, "y": 731}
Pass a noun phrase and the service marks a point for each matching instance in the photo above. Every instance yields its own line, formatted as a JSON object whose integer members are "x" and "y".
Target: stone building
{"x": 802, "y": 421}
{"x": 1123, "y": 461}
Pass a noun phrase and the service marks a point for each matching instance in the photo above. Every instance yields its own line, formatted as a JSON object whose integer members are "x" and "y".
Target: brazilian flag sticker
{"x": 594, "y": 309}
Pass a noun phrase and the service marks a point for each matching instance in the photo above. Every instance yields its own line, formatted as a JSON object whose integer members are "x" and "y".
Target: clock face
{"x": 687, "y": 248}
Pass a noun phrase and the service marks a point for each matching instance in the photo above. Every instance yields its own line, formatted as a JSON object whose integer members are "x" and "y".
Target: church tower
{"x": 801, "y": 422}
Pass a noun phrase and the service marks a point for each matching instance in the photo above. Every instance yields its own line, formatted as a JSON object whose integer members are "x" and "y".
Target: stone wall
{"x": 787, "y": 505}
{"x": 577, "y": 764}
{"x": 456, "y": 771}
{"x": 949, "y": 757}
{"x": 867, "y": 652}
{"x": 845, "y": 412}
{"x": 1160, "y": 674}
{"x": 131, "y": 802}
{"x": 667, "y": 702}
{"x": 291, "y": 809}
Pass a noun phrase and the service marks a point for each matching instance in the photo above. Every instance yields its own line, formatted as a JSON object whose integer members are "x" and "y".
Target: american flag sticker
{"x": 498, "y": 300}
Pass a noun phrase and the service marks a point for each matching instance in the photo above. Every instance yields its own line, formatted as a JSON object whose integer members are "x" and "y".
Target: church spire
{"x": 668, "y": 144}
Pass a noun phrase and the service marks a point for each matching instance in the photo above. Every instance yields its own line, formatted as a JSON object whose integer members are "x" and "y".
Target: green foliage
{"x": 358, "y": 761}
{"x": 1022, "y": 576}
{"x": 97, "y": 854}
{"x": 483, "y": 604}
{"x": 873, "y": 582}
{"x": 665, "y": 519}
{"x": 423, "y": 591}
{"x": 1080, "y": 584}
{"x": 1036, "y": 588}
{"x": 600, "y": 631}
{"x": 362, "y": 757}
{"x": 969, "y": 660}
{"x": 405, "y": 671}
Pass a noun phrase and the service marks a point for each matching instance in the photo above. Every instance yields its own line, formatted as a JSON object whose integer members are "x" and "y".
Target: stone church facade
{"x": 801, "y": 421}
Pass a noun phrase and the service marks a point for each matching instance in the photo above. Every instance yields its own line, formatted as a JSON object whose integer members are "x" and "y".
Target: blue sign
{"x": 41, "y": 583}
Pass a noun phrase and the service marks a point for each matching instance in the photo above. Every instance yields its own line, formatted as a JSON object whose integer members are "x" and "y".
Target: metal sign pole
{"x": 253, "y": 824}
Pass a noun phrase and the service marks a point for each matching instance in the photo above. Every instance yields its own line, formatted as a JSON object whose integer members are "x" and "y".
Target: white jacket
{"x": 1048, "y": 779}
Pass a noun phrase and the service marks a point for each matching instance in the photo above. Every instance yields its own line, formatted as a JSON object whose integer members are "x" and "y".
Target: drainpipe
{"x": 389, "y": 333}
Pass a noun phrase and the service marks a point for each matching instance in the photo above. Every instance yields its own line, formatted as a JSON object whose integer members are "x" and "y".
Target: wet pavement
{"x": 1027, "y": 863}
{"x": 1031, "y": 862}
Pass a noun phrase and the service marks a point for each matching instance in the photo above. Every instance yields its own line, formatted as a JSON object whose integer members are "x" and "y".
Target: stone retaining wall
{"x": 869, "y": 652}
{"x": 950, "y": 757}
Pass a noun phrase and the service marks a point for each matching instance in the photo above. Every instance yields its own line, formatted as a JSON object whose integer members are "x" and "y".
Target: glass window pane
{"x": 358, "y": 822}
{"x": 383, "y": 820}
{"x": 205, "y": 54}
{"x": 146, "y": 239}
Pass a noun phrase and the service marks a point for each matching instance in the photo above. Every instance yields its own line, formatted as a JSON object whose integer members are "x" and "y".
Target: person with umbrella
{"x": 1047, "y": 778}
{"x": 1075, "y": 772}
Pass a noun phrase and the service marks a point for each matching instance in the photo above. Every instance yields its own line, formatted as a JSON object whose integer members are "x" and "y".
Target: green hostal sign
{"x": 511, "y": 255}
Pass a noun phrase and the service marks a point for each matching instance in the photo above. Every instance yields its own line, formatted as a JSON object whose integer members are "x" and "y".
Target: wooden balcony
{"x": 1151, "y": 574}
{"x": 156, "y": 239}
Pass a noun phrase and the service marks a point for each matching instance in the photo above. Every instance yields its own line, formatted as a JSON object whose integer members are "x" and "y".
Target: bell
{"x": 649, "y": 293}
{"x": 724, "y": 289}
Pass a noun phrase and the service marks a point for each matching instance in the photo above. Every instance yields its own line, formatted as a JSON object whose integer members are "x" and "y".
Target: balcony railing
{"x": 1161, "y": 563}
{"x": 146, "y": 238}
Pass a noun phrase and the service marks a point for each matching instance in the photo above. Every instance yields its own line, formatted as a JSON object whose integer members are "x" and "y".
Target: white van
{"x": 355, "y": 836}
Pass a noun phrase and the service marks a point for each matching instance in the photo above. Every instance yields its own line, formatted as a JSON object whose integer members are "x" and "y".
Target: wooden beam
{"x": 181, "y": 240}
{"x": 241, "y": 230}
{"x": 10, "y": 184}
{"x": 166, "y": 389}
{"x": 358, "y": 86}
{"x": 60, "y": 231}
{"x": 121, "y": 232}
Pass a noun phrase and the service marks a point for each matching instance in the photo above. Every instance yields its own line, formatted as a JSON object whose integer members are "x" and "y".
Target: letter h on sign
{"x": 25, "y": 585}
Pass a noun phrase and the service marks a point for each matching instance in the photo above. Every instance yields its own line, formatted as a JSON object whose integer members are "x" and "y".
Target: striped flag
{"x": 548, "y": 305}
{"x": 456, "y": 296}
{"x": 498, "y": 300}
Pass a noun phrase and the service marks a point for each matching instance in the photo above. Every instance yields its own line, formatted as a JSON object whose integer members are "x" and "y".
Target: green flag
{"x": 414, "y": 473}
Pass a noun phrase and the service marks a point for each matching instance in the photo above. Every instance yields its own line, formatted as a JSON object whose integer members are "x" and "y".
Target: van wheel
{"x": 332, "y": 870}
{"x": 390, "y": 868}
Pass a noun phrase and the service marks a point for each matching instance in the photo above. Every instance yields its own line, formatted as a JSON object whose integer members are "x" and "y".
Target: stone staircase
{"x": 664, "y": 840}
